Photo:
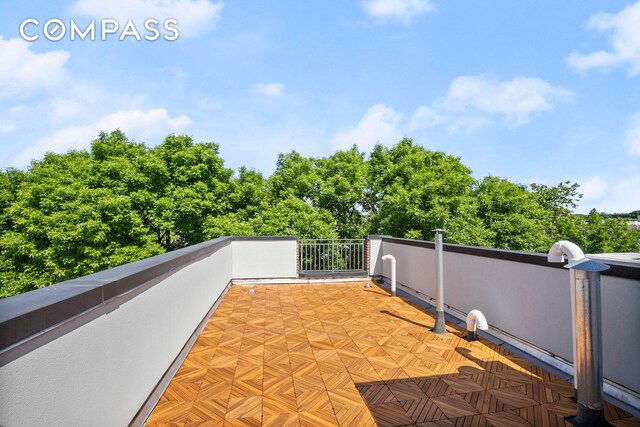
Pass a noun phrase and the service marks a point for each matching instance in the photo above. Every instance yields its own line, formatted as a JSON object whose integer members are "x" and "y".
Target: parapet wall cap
{"x": 587, "y": 264}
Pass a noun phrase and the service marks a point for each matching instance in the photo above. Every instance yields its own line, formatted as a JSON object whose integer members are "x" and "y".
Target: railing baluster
{"x": 331, "y": 255}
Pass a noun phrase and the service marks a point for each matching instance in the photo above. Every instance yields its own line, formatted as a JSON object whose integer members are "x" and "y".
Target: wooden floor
{"x": 339, "y": 354}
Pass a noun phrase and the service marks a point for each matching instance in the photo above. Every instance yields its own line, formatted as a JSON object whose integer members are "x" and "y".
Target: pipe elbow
{"x": 476, "y": 320}
{"x": 389, "y": 258}
{"x": 562, "y": 249}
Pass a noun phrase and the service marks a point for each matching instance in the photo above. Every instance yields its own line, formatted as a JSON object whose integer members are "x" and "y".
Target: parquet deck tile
{"x": 214, "y": 391}
{"x": 278, "y": 384}
{"x": 215, "y": 374}
{"x": 249, "y": 371}
{"x": 335, "y": 380}
{"x": 376, "y": 393}
{"x": 355, "y": 416}
{"x": 454, "y": 406}
{"x": 312, "y": 401}
{"x": 441, "y": 423}
{"x": 506, "y": 419}
{"x": 246, "y": 388}
{"x": 321, "y": 345}
{"x": 463, "y": 384}
{"x": 244, "y": 407}
{"x": 422, "y": 410}
{"x": 390, "y": 414}
{"x": 484, "y": 402}
{"x": 281, "y": 420}
{"x": 210, "y": 409}
{"x": 318, "y": 418}
{"x": 243, "y": 422}
{"x": 279, "y": 404}
{"x": 224, "y": 361}
{"x": 627, "y": 422}
{"x": 182, "y": 391}
{"x": 392, "y": 374}
{"x": 308, "y": 382}
{"x": 512, "y": 398}
{"x": 345, "y": 398}
{"x": 338, "y": 354}
{"x": 171, "y": 412}
{"x": 406, "y": 390}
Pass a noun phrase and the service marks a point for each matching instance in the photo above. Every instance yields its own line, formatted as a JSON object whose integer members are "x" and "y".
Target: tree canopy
{"x": 72, "y": 214}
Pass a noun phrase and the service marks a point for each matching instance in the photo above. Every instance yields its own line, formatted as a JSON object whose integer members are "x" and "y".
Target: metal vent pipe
{"x": 440, "y": 326}
{"x": 588, "y": 361}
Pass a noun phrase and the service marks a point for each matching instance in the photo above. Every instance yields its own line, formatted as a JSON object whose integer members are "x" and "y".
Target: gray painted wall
{"x": 257, "y": 259}
{"x": 530, "y": 302}
{"x": 99, "y": 368}
{"x": 375, "y": 264}
{"x": 101, "y": 372}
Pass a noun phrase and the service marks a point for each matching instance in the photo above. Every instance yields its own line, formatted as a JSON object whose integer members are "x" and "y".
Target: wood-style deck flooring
{"x": 339, "y": 354}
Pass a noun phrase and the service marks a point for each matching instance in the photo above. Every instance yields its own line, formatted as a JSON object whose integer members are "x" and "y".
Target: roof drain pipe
{"x": 440, "y": 326}
{"x": 572, "y": 252}
{"x": 475, "y": 320}
{"x": 588, "y": 360}
{"x": 393, "y": 272}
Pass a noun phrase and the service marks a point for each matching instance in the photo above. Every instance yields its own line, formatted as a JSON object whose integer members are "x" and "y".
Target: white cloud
{"x": 468, "y": 124}
{"x": 137, "y": 124}
{"x": 425, "y": 118}
{"x": 24, "y": 72}
{"x": 397, "y": 10}
{"x": 624, "y": 37}
{"x": 209, "y": 105}
{"x": 593, "y": 188}
{"x": 610, "y": 196}
{"x": 270, "y": 90}
{"x": 194, "y": 16}
{"x": 474, "y": 102}
{"x": 516, "y": 100}
{"x": 632, "y": 136}
{"x": 10, "y": 117}
{"x": 471, "y": 103}
{"x": 6, "y": 126}
{"x": 378, "y": 124}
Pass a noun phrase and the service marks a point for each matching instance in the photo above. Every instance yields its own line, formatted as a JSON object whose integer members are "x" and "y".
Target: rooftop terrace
{"x": 178, "y": 339}
{"x": 339, "y": 354}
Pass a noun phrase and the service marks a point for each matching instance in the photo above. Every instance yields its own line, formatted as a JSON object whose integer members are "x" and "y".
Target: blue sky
{"x": 531, "y": 91}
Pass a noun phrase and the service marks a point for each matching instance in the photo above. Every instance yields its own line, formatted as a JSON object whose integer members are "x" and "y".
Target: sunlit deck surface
{"x": 339, "y": 354}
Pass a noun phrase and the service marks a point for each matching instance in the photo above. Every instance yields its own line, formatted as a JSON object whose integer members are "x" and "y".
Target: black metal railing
{"x": 331, "y": 255}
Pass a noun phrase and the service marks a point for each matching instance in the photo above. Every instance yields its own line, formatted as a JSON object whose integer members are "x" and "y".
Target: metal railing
{"x": 331, "y": 255}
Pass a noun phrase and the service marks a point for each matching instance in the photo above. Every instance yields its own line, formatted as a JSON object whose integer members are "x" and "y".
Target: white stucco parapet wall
{"x": 99, "y": 366}
{"x": 528, "y": 299}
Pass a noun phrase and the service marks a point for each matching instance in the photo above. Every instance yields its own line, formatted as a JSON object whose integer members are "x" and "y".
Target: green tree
{"x": 192, "y": 185}
{"x": 294, "y": 176}
{"x": 513, "y": 215}
{"x": 339, "y": 187}
{"x": 294, "y": 217}
{"x": 413, "y": 191}
{"x": 63, "y": 228}
{"x": 595, "y": 233}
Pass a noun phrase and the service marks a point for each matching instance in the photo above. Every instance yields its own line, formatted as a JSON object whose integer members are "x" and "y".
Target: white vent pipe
{"x": 475, "y": 320}
{"x": 564, "y": 248}
{"x": 393, "y": 272}
{"x": 573, "y": 253}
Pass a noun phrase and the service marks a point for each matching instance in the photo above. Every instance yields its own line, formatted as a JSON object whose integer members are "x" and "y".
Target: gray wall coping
{"x": 27, "y": 314}
{"x": 24, "y": 315}
{"x": 618, "y": 269}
